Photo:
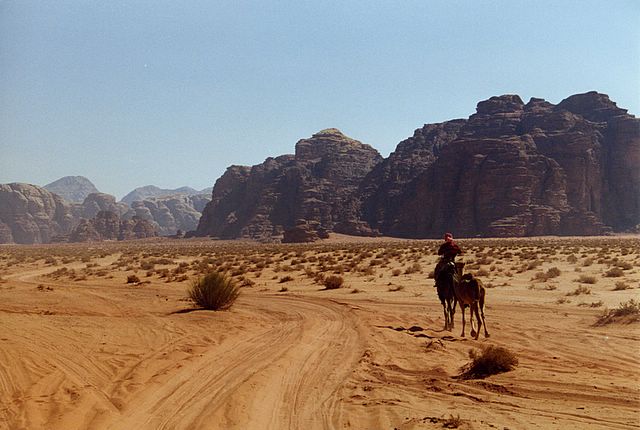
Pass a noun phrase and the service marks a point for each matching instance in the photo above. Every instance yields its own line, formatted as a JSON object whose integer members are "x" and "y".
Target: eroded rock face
{"x": 510, "y": 169}
{"x": 172, "y": 213}
{"x": 316, "y": 184}
{"x": 151, "y": 191}
{"x": 73, "y": 189}
{"x": 98, "y": 202}
{"x": 518, "y": 170}
{"x": 107, "y": 225}
{"x": 30, "y": 214}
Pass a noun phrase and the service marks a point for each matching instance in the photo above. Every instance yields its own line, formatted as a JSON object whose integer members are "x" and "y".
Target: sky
{"x": 133, "y": 93}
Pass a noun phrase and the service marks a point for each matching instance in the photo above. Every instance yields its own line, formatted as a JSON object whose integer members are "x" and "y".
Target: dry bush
{"x": 587, "y": 279}
{"x": 627, "y": 312}
{"x": 396, "y": 272}
{"x": 286, "y": 279}
{"x": 563, "y": 300}
{"x": 283, "y": 289}
{"x": 621, "y": 285}
{"x": 580, "y": 290}
{"x": 332, "y": 282}
{"x": 414, "y": 268}
{"x": 214, "y": 291}
{"x": 614, "y": 272}
{"x": 489, "y": 361}
{"x": 132, "y": 279}
{"x": 451, "y": 422}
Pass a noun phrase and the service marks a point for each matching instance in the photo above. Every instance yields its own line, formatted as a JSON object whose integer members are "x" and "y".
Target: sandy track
{"x": 286, "y": 371}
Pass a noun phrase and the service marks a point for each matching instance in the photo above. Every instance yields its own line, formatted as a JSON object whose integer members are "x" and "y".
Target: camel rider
{"x": 448, "y": 251}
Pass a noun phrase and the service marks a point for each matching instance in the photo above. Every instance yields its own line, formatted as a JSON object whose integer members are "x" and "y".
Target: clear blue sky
{"x": 130, "y": 93}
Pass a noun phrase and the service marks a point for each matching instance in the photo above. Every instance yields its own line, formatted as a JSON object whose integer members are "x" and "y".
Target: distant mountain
{"x": 73, "y": 189}
{"x": 149, "y": 191}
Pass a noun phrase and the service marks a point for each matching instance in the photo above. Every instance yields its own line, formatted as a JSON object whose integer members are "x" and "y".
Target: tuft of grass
{"x": 587, "y": 279}
{"x": 214, "y": 291}
{"x": 614, "y": 272}
{"x": 452, "y": 422}
{"x": 627, "y": 312}
{"x": 133, "y": 279}
{"x": 580, "y": 290}
{"x": 489, "y": 361}
{"x": 621, "y": 285}
{"x": 333, "y": 282}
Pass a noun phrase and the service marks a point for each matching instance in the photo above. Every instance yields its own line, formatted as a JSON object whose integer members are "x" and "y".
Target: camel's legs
{"x": 486, "y": 333}
{"x": 446, "y": 316}
{"x": 474, "y": 310}
{"x": 463, "y": 322}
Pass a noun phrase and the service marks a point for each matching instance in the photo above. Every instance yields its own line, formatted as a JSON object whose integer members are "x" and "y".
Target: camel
{"x": 444, "y": 286}
{"x": 469, "y": 291}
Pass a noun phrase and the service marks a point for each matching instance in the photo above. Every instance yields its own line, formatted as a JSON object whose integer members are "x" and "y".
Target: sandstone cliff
{"x": 172, "y": 213}
{"x": 511, "y": 169}
{"x": 109, "y": 226}
{"x": 516, "y": 169}
{"x": 31, "y": 214}
{"x": 316, "y": 184}
{"x": 151, "y": 191}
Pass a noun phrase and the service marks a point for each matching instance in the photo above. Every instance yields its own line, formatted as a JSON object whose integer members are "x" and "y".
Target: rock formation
{"x": 98, "y": 202}
{"x": 511, "y": 169}
{"x": 73, "y": 189}
{"x": 315, "y": 184}
{"x": 172, "y": 213}
{"x": 515, "y": 169}
{"x": 31, "y": 214}
{"x": 107, "y": 225}
{"x": 150, "y": 191}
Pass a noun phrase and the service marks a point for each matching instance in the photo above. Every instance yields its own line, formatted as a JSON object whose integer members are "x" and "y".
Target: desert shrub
{"x": 395, "y": 288}
{"x": 621, "y": 285}
{"x": 332, "y": 282}
{"x": 614, "y": 272}
{"x": 627, "y": 312}
{"x": 132, "y": 279}
{"x": 572, "y": 259}
{"x": 286, "y": 279}
{"x": 214, "y": 291}
{"x": 489, "y": 361}
{"x": 451, "y": 422}
{"x": 587, "y": 261}
{"x": 587, "y": 279}
{"x": 580, "y": 290}
{"x": 414, "y": 268}
{"x": 396, "y": 272}
{"x": 283, "y": 289}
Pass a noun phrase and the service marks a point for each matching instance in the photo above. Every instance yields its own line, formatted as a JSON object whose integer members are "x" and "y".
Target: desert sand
{"x": 83, "y": 348}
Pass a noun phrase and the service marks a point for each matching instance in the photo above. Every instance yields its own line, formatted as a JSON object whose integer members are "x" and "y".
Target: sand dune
{"x": 82, "y": 349}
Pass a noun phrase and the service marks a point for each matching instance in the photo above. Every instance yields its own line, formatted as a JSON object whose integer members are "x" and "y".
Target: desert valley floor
{"x": 102, "y": 336}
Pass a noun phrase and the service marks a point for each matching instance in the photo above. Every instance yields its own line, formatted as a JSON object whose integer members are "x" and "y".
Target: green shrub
{"x": 214, "y": 291}
{"x": 491, "y": 360}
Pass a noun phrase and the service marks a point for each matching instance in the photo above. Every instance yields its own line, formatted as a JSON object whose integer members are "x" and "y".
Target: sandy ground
{"x": 80, "y": 348}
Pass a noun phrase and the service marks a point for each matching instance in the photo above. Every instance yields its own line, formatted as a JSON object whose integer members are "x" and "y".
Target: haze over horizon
{"x": 171, "y": 94}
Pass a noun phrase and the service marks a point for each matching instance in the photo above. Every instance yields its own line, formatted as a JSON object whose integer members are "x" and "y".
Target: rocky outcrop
{"x": 151, "y": 191}
{"x": 304, "y": 232}
{"x": 170, "y": 214}
{"x": 73, "y": 189}
{"x": 109, "y": 226}
{"x": 316, "y": 184}
{"x": 516, "y": 169}
{"x": 30, "y": 214}
{"x": 98, "y": 202}
{"x": 510, "y": 169}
